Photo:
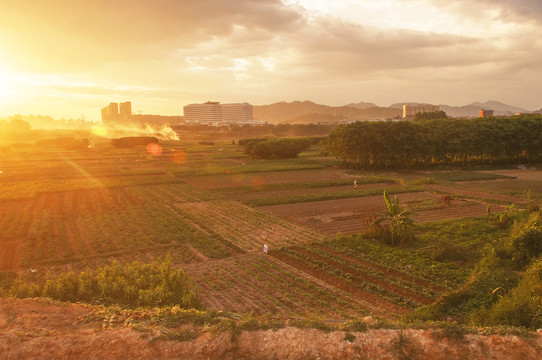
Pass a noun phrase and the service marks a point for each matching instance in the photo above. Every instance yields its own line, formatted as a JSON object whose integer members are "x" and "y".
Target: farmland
{"x": 212, "y": 210}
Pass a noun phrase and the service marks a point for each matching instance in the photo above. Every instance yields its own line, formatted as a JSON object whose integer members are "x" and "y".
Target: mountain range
{"x": 304, "y": 112}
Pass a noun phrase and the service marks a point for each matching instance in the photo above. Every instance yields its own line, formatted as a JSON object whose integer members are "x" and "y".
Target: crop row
{"x": 236, "y": 225}
{"x": 391, "y": 281}
{"x": 246, "y": 227}
{"x": 414, "y": 263}
{"x": 77, "y": 225}
{"x": 349, "y": 280}
{"x": 262, "y": 284}
{"x": 210, "y": 243}
{"x": 324, "y": 196}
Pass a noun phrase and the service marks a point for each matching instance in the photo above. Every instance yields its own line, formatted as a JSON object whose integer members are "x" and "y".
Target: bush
{"x": 520, "y": 307}
{"x": 276, "y": 148}
{"x": 476, "y": 294}
{"x": 131, "y": 284}
{"x": 527, "y": 246}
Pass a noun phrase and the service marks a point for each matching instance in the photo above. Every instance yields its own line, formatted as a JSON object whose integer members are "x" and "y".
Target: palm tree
{"x": 399, "y": 221}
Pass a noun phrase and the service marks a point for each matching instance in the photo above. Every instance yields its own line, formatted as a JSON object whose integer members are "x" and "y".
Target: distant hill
{"x": 304, "y": 112}
{"x": 473, "y": 109}
{"x": 362, "y": 105}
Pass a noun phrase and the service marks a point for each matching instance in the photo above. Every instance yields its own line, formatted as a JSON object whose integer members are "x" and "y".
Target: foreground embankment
{"x": 41, "y": 329}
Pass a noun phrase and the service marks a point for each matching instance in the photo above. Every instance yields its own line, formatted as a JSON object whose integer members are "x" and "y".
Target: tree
{"x": 397, "y": 220}
{"x": 430, "y": 115}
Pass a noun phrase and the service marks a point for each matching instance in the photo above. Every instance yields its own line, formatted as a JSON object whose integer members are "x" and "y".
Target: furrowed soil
{"x": 347, "y": 215}
{"x": 43, "y": 329}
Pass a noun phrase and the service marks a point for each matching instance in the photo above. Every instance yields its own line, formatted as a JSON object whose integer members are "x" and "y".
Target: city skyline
{"x": 67, "y": 58}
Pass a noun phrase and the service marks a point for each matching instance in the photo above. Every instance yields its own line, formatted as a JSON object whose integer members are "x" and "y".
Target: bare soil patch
{"x": 345, "y": 215}
{"x": 353, "y": 215}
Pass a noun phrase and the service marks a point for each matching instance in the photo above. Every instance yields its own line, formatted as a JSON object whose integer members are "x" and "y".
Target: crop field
{"x": 344, "y": 215}
{"x": 205, "y": 206}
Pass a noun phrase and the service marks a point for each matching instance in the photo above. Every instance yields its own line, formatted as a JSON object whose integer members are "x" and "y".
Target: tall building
{"x": 216, "y": 113}
{"x": 110, "y": 113}
{"x": 233, "y": 113}
{"x": 125, "y": 110}
{"x": 116, "y": 114}
{"x": 410, "y": 110}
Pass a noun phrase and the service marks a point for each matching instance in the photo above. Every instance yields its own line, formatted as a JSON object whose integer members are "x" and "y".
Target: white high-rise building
{"x": 240, "y": 113}
{"x": 216, "y": 113}
{"x": 207, "y": 113}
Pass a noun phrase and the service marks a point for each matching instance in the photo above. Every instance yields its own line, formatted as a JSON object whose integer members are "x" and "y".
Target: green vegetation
{"x": 380, "y": 145}
{"x": 82, "y": 209}
{"x": 131, "y": 284}
{"x": 362, "y": 180}
{"x": 331, "y": 196}
{"x": 459, "y": 176}
{"x": 275, "y": 148}
{"x": 396, "y": 223}
{"x": 430, "y": 115}
{"x": 496, "y": 293}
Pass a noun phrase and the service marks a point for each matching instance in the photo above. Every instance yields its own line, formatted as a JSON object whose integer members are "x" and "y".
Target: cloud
{"x": 506, "y": 10}
{"x": 77, "y": 33}
{"x": 182, "y": 51}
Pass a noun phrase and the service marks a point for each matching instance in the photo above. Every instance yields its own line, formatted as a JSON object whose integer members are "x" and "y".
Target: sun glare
{"x": 5, "y": 82}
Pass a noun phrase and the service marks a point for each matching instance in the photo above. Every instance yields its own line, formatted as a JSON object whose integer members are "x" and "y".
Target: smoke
{"x": 164, "y": 132}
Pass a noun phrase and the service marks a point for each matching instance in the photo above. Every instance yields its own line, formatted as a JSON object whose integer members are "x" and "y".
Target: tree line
{"x": 276, "y": 148}
{"x": 378, "y": 145}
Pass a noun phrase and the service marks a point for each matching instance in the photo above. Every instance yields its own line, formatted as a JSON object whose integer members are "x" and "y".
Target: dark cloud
{"x": 522, "y": 9}
{"x": 509, "y": 10}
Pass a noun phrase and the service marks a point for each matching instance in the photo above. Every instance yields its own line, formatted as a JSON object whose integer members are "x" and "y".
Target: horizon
{"x": 68, "y": 59}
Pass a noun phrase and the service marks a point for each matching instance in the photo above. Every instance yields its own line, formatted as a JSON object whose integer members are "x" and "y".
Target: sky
{"x": 70, "y": 58}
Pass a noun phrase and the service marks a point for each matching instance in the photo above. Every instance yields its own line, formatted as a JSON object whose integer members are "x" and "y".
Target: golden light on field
{"x": 178, "y": 157}
{"x": 6, "y": 83}
{"x": 258, "y": 183}
{"x": 154, "y": 149}
{"x": 99, "y": 131}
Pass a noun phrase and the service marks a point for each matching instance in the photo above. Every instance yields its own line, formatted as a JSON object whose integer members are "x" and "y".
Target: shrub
{"x": 276, "y": 148}
{"x": 396, "y": 222}
{"x": 131, "y": 284}
{"x": 520, "y": 307}
{"x": 528, "y": 244}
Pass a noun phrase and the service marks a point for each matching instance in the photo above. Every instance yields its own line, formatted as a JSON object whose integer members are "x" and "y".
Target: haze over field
{"x": 69, "y": 58}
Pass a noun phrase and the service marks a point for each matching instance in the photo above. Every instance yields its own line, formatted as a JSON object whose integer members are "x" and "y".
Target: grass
{"x": 460, "y": 176}
{"x": 303, "y": 185}
{"x": 331, "y": 196}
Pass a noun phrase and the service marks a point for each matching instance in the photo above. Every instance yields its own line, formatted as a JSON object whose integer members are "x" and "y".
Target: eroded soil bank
{"x": 41, "y": 329}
